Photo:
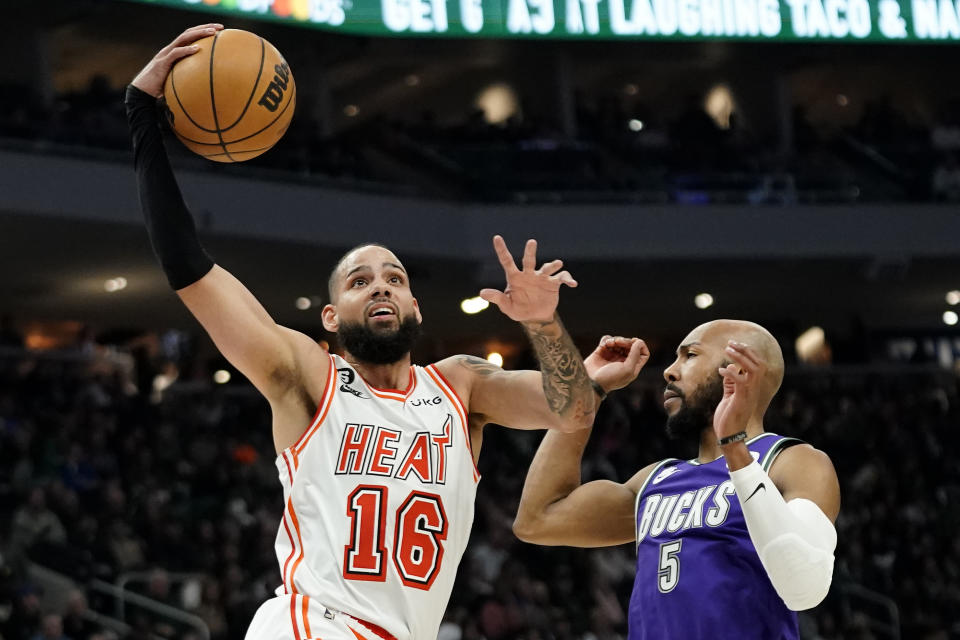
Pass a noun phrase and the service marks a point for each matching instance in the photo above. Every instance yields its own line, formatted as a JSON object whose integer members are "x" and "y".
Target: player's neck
{"x": 395, "y": 375}
{"x": 710, "y": 449}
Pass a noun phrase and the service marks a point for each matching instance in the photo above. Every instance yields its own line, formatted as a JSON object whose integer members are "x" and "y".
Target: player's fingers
{"x": 494, "y": 296}
{"x": 530, "y": 255}
{"x": 503, "y": 255}
{"x": 564, "y": 277}
{"x": 638, "y": 355}
{"x": 551, "y": 267}
{"x": 199, "y": 31}
{"x": 748, "y": 351}
{"x": 181, "y": 52}
{"x": 192, "y": 34}
{"x": 742, "y": 360}
{"x": 734, "y": 373}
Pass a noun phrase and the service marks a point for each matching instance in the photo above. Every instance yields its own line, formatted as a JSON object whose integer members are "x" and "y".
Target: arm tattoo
{"x": 566, "y": 385}
{"x": 479, "y": 366}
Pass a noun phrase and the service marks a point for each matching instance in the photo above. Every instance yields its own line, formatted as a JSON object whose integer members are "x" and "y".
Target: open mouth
{"x": 382, "y": 311}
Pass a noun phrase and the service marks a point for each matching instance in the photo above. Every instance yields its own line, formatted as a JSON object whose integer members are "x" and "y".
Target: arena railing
{"x": 857, "y": 599}
{"x": 123, "y": 597}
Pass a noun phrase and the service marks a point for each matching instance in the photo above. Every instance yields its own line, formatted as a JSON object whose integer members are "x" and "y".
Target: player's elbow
{"x": 528, "y": 528}
{"x": 800, "y": 572}
{"x": 807, "y": 600}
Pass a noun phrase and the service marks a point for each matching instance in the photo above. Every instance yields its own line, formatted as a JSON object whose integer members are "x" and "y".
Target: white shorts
{"x": 300, "y": 617}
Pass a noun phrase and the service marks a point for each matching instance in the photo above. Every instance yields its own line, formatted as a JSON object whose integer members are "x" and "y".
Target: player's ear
{"x": 416, "y": 311}
{"x": 331, "y": 321}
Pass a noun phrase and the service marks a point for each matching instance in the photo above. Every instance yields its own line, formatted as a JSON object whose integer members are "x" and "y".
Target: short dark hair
{"x": 332, "y": 281}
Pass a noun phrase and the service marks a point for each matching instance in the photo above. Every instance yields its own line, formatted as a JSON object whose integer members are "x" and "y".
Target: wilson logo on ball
{"x": 273, "y": 96}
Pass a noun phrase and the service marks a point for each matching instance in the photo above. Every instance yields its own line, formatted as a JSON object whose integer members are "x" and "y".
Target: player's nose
{"x": 671, "y": 374}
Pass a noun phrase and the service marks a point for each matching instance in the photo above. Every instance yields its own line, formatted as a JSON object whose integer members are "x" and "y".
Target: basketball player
{"x": 730, "y": 544}
{"x": 376, "y": 457}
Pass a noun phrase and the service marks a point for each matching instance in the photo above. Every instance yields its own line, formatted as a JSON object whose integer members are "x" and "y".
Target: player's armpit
{"x": 513, "y": 399}
{"x": 247, "y": 336}
{"x": 596, "y": 514}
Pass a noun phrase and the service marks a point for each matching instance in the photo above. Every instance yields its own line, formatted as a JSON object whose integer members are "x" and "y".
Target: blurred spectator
{"x": 75, "y": 624}
{"x": 51, "y": 628}
{"x": 34, "y": 524}
{"x": 946, "y": 179}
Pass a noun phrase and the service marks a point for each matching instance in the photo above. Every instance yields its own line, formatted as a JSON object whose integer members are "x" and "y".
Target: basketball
{"x": 233, "y": 99}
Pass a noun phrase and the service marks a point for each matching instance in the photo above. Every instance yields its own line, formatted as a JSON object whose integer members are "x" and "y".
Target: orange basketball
{"x": 231, "y": 100}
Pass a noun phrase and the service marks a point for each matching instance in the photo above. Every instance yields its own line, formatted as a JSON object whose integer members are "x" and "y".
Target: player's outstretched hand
{"x": 151, "y": 77}
{"x": 617, "y": 361}
{"x": 740, "y": 381}
{"x": 531, "y": 295}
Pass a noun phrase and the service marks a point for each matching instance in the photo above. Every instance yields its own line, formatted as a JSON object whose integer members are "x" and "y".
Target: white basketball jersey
{"x": 379, "y": 498}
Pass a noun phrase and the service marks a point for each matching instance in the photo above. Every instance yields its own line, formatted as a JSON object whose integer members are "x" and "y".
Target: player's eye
{"x": 691, "y": 354}
{"x": 396, "y": 279}
{"x": 358, "y": 282}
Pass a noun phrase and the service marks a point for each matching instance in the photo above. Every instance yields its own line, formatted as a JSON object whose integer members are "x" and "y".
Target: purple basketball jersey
{"x": 698, "y": 573}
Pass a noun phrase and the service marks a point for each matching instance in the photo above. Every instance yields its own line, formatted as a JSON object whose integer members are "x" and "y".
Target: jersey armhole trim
{"x": 779, "y": 447}
{"x": 448, "y": 390}
{"x": 643, "y": 487}
{"x": 328, "y": 392}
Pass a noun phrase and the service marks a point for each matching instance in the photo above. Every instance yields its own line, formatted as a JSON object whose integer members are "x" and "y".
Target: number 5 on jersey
{"x": 419, "y": 532}
{"x": 669, "y": 573}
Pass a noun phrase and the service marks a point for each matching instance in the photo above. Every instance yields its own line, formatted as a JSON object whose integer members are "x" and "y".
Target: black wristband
{"x": 169, "y": 223}
{"x": 737, "y": 437}
{"x": 598, "y": 389}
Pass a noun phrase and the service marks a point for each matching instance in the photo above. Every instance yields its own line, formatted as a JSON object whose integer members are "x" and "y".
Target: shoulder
{"x": 462, "y": 371}
{"x": 803, "y": 471}
{"x": 640, "y": 479}
{"x": 800, "y": 456}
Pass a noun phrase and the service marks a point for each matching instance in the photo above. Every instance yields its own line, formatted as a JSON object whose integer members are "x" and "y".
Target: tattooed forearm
{"x": 566, "y": 385}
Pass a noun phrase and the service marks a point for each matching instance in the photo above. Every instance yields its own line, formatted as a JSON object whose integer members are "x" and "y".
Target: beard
{"x": 696, "y": 412}
{"x": 379, "y": 347}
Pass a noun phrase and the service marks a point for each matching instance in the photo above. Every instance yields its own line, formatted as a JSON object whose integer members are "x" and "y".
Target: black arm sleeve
{"x": 169, "y": 223}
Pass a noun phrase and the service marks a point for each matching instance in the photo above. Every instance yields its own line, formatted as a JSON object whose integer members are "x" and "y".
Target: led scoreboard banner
{"x": 777, "y": 20}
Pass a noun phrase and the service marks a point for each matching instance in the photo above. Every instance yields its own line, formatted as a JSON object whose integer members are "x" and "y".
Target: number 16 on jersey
{"x": 420, "y": 527}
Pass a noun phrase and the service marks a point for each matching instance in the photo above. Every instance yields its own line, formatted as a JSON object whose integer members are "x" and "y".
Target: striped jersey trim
{"x": 643, "y": 487}
{"x": 454, "y": 398}
{"x": 393, "y": 394}
{"x": 697, "y": 463}
{"x": 777, "y": 449}
{"x": 325, "y": 401}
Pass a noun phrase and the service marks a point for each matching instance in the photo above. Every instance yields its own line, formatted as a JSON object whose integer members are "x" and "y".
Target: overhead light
{"x": 115, "y": 284}
{"x": 635, "y": 125}
{"x": 351, "y": 110}
{"x": 703, "y": 300}
{"x": 842, "y": 100}
{"x": 811, "y": 346}
{"x": 950, "y": 317}
{"x": 631, "y": 89}
{"x": 495, "y": 358}
{"x": 412, "y": 80}
{"x": 953, "y": 297}
{"x": 303, "y": 303}
{"x": 474, "y": 305}
{"x": 221, "y": 376}
{"x": 499, "y": 102}
{"x": 719, "y": 105}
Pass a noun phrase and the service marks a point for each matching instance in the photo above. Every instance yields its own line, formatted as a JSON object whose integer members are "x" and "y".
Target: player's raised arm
{"x": 555, "y": 509}
{"x": 559, "y": 396}
{"x": 241, "y": 328}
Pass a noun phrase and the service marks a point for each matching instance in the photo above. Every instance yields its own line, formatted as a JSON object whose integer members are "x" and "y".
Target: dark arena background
{"x": 795, "y": 163}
